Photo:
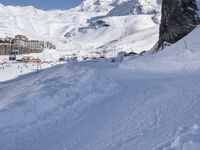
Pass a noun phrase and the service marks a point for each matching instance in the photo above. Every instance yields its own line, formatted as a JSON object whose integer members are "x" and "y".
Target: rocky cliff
{"x": 179, "y": 17}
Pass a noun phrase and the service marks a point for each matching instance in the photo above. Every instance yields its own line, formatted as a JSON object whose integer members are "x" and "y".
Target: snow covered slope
{"x": 75, "y": 29}
{"x": 76, "y": 107}
{"x": 128, "y": 33}
{"x": 183, "y": 55}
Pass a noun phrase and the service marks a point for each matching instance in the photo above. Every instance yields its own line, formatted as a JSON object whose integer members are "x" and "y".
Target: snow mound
{"x": 181, "y": 56}
{"x": 187, "y": 139}
{"x": 54, "y": 93}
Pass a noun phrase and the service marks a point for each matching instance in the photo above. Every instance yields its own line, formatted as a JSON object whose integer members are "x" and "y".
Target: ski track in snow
{"x": 128, "y": 110}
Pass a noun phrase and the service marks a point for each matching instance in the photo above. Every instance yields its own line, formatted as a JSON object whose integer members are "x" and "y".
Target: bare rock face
{"x": 179, "y": 17}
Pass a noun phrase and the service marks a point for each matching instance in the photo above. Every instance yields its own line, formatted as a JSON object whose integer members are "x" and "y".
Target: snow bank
{"x": 181, "y": 56}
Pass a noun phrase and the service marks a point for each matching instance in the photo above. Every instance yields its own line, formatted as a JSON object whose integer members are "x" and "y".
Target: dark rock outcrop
{"x": 179, "y": 17}
{"x": 99, "y": 23}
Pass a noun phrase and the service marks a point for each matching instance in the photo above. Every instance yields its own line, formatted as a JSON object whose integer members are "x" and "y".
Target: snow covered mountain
{"x": 130, "y": 25}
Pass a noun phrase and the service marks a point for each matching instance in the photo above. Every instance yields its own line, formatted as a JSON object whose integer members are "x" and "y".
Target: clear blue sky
{"x": 44, "y": 4}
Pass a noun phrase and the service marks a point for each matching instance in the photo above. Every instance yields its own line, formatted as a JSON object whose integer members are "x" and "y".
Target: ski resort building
{"x": 23, "y": 45}
{"x": 33, "y": 44}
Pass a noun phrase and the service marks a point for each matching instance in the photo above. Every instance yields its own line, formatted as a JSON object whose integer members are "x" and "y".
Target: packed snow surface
{"x": 100, "y": 106}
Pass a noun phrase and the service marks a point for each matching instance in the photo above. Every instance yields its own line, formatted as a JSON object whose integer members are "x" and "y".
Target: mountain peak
{"x": 97, "y": 5}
